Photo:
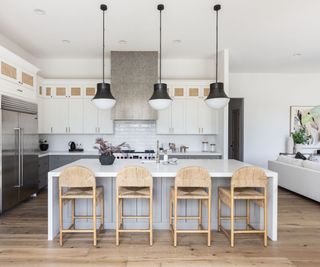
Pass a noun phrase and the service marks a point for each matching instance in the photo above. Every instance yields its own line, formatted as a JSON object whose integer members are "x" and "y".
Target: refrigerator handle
{"x": 19, "y": 156}
{"x": 22, "y": 154}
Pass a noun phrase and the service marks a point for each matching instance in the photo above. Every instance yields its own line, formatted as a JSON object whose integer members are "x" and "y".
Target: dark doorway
{"x": 236, "y": 128}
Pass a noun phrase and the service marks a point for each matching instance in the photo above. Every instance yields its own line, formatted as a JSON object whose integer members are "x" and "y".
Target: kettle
{"x": 72, "y": 145}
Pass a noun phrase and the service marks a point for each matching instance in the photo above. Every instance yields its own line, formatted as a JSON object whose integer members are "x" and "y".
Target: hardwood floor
{"x": 23, "y": 242}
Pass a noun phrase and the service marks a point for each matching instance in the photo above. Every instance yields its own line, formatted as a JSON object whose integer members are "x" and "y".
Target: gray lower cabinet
{"x": 48, "y": 163}
{"x": 57, "y": 161}
{"x": 43, "y": 169}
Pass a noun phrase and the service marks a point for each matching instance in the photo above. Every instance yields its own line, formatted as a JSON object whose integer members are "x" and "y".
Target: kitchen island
{"x": 220, "y": 171}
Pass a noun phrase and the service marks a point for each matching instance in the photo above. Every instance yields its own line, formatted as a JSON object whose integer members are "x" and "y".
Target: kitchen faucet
{"x": 157, "y": 153}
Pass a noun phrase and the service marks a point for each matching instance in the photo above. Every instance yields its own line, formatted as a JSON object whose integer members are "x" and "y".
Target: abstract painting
{"x": 307, "y": 117}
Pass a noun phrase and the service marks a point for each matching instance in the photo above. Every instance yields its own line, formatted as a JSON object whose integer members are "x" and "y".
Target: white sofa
{"x": 299, "y": 176}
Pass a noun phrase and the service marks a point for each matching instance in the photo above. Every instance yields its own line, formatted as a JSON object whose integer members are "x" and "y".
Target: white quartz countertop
{"x": 95, "y": 152}
{"x": 216, "y": 167}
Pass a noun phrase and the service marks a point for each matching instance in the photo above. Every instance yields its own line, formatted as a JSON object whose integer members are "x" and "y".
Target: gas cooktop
{"x": 132, "y": 154}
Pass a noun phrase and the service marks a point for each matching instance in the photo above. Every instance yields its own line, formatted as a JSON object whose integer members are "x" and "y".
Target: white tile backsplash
{"x": 140, "y": 135}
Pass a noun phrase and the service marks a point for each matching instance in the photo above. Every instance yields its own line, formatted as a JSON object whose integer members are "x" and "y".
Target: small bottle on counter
{"x": 165, "y": 156}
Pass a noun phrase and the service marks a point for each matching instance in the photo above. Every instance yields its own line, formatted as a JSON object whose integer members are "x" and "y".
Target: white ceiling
{"x": 261, "y": 35}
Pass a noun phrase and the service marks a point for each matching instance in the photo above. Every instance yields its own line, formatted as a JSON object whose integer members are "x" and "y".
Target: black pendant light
{"x": 217, "y": 98}
{"x": 103, "y": 98}
{"x": 160, "y": 98}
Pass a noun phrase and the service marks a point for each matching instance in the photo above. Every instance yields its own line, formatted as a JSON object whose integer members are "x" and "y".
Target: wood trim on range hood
{"x": 132, "y": 77}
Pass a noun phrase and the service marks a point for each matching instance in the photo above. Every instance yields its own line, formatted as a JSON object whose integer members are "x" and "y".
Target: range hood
{"x": 132, "y": 77}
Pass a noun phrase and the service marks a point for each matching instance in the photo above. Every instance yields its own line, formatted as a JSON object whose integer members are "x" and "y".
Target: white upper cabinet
{"x": 68, "y": 109}
{"x": 178, "y": 116}
{"x": 188, "y": 114}
{"x": 17, "y": 76}
{"x": 191, "y": 116}
{"x": 75, "y": 115}
{"x": 90, "y": 117}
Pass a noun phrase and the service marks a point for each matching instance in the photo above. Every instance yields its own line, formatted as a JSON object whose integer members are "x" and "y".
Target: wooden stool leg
{"x": 73, "y": 206}
{"x": 61, "y": 218}
{"x": 150, "y": 218}
{"x": 232, "y": 223}
{"x": 209, "y": 219}
{"x": 265, "y": 221}
{"x": 102, "y": 210}
{"x": 120, "y": 212}
{"x": 199, "y": 213}
{"x": 117, "y": 220}
{"x": 94, "y": 209}
{"x": 219, "y": 214}
{"x": 170, "y": 211}
{"x": 248, "y": 214}
{"x": 175, "y": 219}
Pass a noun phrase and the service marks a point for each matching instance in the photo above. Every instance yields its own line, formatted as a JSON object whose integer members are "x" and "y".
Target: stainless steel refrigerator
{"x": 19, "y": 147}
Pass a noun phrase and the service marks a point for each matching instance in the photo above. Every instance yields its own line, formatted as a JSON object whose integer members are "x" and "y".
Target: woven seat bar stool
{"x": 133, "y": 182}
{"x": 80, "y": 183}
{"x": 250, "y": 184}
{"x": 191, "y": 183}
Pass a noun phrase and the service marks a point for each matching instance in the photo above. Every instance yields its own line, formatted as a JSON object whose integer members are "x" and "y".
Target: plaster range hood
{"x": 132, "y": 77}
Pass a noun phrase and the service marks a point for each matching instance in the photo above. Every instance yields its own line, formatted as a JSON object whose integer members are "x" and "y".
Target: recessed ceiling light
{"x": 297, "y": 54}
{"x": 178, "y": 41}
{"x": 65, "y": 41}
{"x": 39, "y": 11}
{"x": 123, "y": 42}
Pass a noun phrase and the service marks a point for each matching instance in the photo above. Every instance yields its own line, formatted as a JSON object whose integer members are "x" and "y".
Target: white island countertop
{"x": 216, "y": 167}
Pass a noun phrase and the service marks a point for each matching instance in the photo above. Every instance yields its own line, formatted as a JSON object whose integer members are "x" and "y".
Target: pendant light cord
{"x": 217, "y": 40}
{"x": 160, "y": 43}
{"x": 103, "y": 49}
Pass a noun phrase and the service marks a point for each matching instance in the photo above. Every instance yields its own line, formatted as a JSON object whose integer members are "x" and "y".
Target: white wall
{"x": 267, "y": 101}
{"x": 92, "y": 68}
{"x": 18, "y": 50}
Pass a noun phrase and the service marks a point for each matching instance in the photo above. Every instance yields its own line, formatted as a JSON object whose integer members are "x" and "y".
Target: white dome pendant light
{"x": 217, "y": 97}
{"x": 103, "y": 98}
{"x": 160, "y": 98}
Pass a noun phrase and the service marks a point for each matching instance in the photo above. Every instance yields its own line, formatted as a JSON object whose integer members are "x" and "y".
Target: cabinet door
{"x": 9, "y": 72}
{"x": 164, "y": 121}
{"x": 75, "y": 115}
{"x": 41, "y": 118}
{"x": 90, "y": 117}
{"x": 60, "y": 115}
{"x": 208, "y": 118}
{"x": 105, "y": 123}
{"x": 47, "y": 116}
{"x": 191, "y": 116}
{"x": 178, "y": 116}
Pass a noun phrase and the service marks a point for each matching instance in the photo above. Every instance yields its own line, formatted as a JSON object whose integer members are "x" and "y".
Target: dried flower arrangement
{"x": 106, "y": 148}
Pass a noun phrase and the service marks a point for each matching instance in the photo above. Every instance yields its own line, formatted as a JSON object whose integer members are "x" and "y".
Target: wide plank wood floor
{"x": 23, "y": 242}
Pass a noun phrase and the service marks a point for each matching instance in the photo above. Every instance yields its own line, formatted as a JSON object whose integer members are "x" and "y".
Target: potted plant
{"x": 300, "y": 138}
{"x": 43, "y": 145}
{"x": 106, "y": 151}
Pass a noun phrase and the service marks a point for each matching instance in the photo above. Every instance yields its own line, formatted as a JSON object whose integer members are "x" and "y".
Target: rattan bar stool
{"x": 80, "y": 183}
{"x": 133, "y": 182}
{"x": 245, "y": 185}
{"x": 191, "y": 183}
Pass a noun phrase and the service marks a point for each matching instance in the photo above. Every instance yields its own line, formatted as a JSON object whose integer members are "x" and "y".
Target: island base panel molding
{"x": 161, "y": 196}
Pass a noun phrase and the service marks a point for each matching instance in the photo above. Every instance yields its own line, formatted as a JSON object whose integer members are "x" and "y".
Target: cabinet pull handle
{"x": 51, "y": 130}
{"x": 20, "y": 90}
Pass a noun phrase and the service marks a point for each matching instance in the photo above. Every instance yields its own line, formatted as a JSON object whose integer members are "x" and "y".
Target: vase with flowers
{"x": 106, "y": 151}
